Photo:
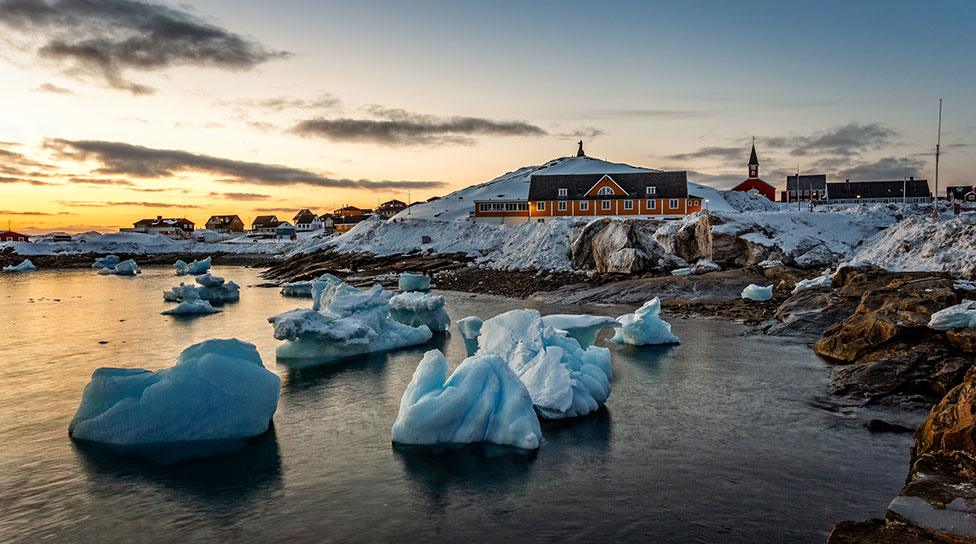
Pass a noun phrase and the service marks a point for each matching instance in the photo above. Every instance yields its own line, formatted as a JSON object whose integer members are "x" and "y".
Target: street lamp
{"x": 706, "y": 205}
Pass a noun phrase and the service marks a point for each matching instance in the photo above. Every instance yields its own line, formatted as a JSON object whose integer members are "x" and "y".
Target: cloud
{"x": 105, "y": 39}
{"x": 94, "y": 204}
{"x": 13, "y": 212}
{"x": 240, "y": 196}
{"x": 644, "y": 112}
{"x": 582, "y": 133}
{"x": 850, "y": 139}
{"x": 887, "y": 168}
{"x": 396, "y": 127}
{"x": 53, "y": 89}
{"x": 725, "y": 153}
{"x": 275, "y": 210}
{"x": 100, "y": 181}
{"x": 117, "y": 158}
{"x": 279, "y": 103}
{"x": 15, "y": 179}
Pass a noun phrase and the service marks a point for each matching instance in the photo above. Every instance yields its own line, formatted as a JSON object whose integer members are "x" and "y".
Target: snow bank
{"x": 922, "y": 243}
{"x": 344, "y": 322}
{"x": 960, "y": 316}
{"x": 757, "y": 292}
{"x": 482, "y": 401}
{"x": 823, "y": 281}
{"x": 583, "y": 328}
{"x": 25, "y": 266}
{"x": 124, "y": 268}
{"x": 413, "y": 282}
{"x": 415, "y": 308}
{"x": 212, "y": 289}
{"x": 196, "y": 268}
{"x": 470, "y": 329}
{"x": 645, "y": 327}
{"x": 563, "y": 379}
{"x": 703, "y": 266}
{"x": 108, "y": 261}
{"x": 218, "y": 390}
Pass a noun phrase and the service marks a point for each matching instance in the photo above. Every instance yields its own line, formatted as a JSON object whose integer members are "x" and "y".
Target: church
{"x": 753, "y": 182}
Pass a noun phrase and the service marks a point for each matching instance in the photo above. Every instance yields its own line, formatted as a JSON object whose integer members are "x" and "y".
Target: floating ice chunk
{"x": 757, "y": 293}
{"x": 297, "y": 289}
{"x": 584, "y": 328}
{"x": 687, "y": 271}
{"x": 645, "y": 327}
{"x": 482, "y": 401}
{"x": 960, "y": 316}
{"x": 25, "y": 266}
{"x": 198, "y": 267}
{"x": 108, "y": 261}
{"x": 820, "y": 282}
{"x": 343, "y": 323}
{"x": 470, "y": 329}
{"x": 563, "y": 379}
{"x": 218, "y": 390}
{"x": 192, "y": 307}
{"x": 415, "y": 308}
{"x": 124, "y": 268}
{"x": 413, "y": 282}
{"x": 212, "y": 289}
{"x": 181, "y": 267}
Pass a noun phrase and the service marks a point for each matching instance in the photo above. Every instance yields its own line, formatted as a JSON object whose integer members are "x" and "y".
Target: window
{"x": 562, "y": 205}
{"x": 628, "y": 204}
{"x": 605, "y": 205}
{"x": 584, "y": 205}
{"x": 651, "y": 190}
{"x": 563, "y": 192}
{"x": 605, "y": 191}
{"x": 541, "y": 206}
{"x": 673, "y": 204}
{"x": 651, "y": 203}
{"x": 696, "y": 202}
{"x": 483, "y": 207}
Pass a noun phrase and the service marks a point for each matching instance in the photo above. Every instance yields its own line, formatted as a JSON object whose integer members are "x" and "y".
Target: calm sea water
{"x": 716, "y": 440}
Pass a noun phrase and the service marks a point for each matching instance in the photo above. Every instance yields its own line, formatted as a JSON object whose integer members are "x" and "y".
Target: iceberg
{"x": 470, "y": 329}
{"x": 124, "y": 268}
{"x": 25, "y": 266}
{"x": 820, "y": 282}
{"x": 960, "y": 316}
{"x": 180, "y": 267}
{"x": 415, "y": 308}
{"x": 645, "y": 327}
{"x": 344, "y": 322}
{"x": 218, "y": 391}
{"x": 757, "y": 293}
{"x": 297, "y": 289}
{"x": 192, "y": 305}
{"x": 482, "y": 401}
{"x": 413, "y": 282}
{"x": 584, "y": 328}
{"x": 108, "y": 261}
{"x": 563, "y": 379}
{"x": 213, "y": 289}
{"x": 198, "y": 267}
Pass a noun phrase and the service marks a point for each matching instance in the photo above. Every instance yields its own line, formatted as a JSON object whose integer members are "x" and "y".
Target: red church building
{"x": 754, "y": 182}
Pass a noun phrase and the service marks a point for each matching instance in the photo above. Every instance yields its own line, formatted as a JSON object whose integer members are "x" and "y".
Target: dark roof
{"x": 393, "y": 204}
{"x": 222, "y": 219}
{"x": 667, "y": 184}
{"x": 753, "y": 159}
{"x": 813, "y": 182}
{"x": 12, "y": 233}
{"x": 304, "y": 216}
{"x": 180, "y": 222}
{"x": 265, "y": 221}
{"x": 877, "y": 189}
{"x": 351, "y": 219}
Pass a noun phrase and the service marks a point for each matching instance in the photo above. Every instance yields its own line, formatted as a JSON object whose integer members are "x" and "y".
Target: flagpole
{"x": 938, "y": 146}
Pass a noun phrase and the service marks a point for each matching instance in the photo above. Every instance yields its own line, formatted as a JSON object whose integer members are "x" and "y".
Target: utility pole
{"x": 938, "y": 146}
{"x": 408, "y": 201}
{"x": 904, "y": 184}
{"x": 798, "y": 192}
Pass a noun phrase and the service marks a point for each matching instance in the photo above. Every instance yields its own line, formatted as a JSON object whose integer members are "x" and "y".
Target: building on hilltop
{"x": 753, "y": 181}
{"x": 811, "y": 187}
{"x": 178, "y": 228}
{"x": 264, "y": 226}
{"x": 910, "y": 191}
{"x": 390, "y": 208}
{"x": 307, "y": 221}
{"x": 347, "y": 217}
{"x": 225, "y": 224}
{"x": 11, "y": 236}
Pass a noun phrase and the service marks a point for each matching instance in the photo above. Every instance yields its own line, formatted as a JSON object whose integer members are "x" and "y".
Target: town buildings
{"x": 225, "y": 224}
{"x": 753, "y": 182}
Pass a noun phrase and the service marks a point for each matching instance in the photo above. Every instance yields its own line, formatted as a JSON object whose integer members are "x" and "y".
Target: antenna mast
{"x": 938, "y": 146}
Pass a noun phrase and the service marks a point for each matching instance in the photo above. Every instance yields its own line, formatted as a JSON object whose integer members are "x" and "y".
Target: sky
{"x": 118, "y": 110}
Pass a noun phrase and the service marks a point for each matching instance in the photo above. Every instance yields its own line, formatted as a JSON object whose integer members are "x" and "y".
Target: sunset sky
{"x": 115, "y": 111}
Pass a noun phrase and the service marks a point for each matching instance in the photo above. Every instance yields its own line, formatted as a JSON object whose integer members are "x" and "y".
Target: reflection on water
{"x": 719, "y": 439}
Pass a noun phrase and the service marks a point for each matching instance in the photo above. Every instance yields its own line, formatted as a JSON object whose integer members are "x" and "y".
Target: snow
{"x": 964, "y": 285}
{"x": 583, "y": 328}
{"x": 344, "y": 322}
{"x": 645, "y": 327}
{"x": 212, "y": 289}
{"x": 820, "y": 282}
{"x": 703, "y": 266}
{"x": 196, "y": 268}
{"x": 770, "y": 263}
{"x": 415, "y": 308}
{"x": 108, "y": 261}
{"x": 25, "y": 266}
{"x": 413, "y": 282}
{"x": 923, "y": 243}
{"x": 192, "y": 307}
{"x": 482, "y": 401}
{"x": 124, "y": 268}
{"x": 297, "y": 289}
{"x": 757, "y": 292}
{"x": 960, "y": 316}
{"x": 563, "y": 379}
{"x": 470, "y": 329}
{"x": 217, "y": 390}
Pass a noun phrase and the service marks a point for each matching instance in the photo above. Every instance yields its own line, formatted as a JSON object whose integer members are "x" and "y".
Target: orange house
{"x": 639, "y": 194}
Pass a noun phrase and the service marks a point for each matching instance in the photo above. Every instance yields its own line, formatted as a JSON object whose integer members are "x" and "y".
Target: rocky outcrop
{"x": 962, "y": 339}
{"x": 618, "y": 246}
{"x": 951, "y": 424}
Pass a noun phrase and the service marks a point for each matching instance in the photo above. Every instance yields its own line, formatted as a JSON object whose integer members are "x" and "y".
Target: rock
{"x": 951, "y": 424}
{"x": 884, "y": 315}
{"x": 882, "y": 426}
{"x": 962, "y": 339}
{"x": 617, "y": 246}
{"x": 808, "y": 313}
{"x": 877, "y": 531}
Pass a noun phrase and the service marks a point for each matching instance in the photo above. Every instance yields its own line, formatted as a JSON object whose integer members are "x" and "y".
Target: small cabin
{"x": 307, "y": 221}
{"x": 225, "y": 224}
{"x": 11, "y": 236}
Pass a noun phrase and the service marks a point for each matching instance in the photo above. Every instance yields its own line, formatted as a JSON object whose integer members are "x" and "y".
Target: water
{"x": 715, "y": 440}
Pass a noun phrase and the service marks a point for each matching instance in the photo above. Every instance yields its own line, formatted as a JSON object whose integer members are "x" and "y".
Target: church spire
{"x": 579, "y": 153}
{"x": 753, "y": 162}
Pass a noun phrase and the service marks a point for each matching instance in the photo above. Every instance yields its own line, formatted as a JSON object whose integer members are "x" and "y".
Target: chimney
{"x": 911, "y": 178}
{"x": 159, "y": 218}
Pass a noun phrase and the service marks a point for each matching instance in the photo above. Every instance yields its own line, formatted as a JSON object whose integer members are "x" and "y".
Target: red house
{"x": 754, "y": 182}
{"x": 11, "y": 236}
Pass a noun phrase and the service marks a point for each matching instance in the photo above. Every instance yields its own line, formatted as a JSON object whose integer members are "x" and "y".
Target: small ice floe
{"x": 108, "y": 261}
{"x": 470, "y": 329}
{"x": 196, "y": 268}
{"x": 343, "y": 322}
{"x": 481, "y": 401}
{"x": 583, "y": 327}
{"x": 124, "y": 268}
{"x": 820, "y": 282}
{"x": 413, "y": 282}
{"x": 415, "y": 308}
{"x": 180, "y": 267}
{"x": 757, "y": 292}
{"x": 212, "y": 289}
{"x": 703, "y": 266}
{"x": 563, "y": 379}
{"x": 192, "y": 305}
{"x": 302, "y": 289}
{"x": 25, "y": 266}
{"x": 645, "y": 327}
{"x": 960, "y": 316}
{"x": 216, "y": 397}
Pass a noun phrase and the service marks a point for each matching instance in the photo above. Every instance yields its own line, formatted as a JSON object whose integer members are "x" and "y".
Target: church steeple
{"x": 753, "y": 162}
{"x": 579, "y": 153}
